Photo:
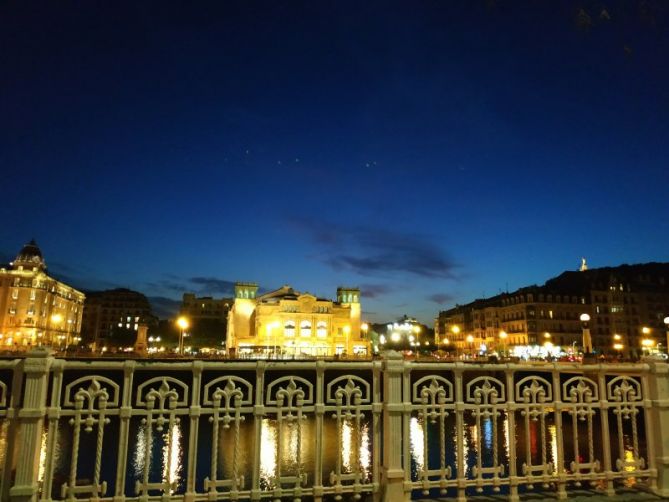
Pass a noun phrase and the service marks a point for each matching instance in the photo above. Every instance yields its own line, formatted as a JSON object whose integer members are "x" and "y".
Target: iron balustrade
{"x": 401, "y": 428}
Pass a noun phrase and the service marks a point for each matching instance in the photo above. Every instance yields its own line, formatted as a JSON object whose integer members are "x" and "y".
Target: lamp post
{"x": 666, "y": 323}
{"x": 503, "y": 336}
{"x": 647, "y": 342}
{"x": 445, "y": 342}
{"x": 182, "y": 322}
{"x": 56, "y": 320}
{"x": 470, "y": 341}
{"x": 618, "y": 347}
{"x": 365, "y": 328}
{"x": 587, "y": 339}
{"x": 455, "y": 329}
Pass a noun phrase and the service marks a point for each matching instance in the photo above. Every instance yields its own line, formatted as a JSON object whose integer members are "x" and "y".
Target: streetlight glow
{"x": 182, "y": 322}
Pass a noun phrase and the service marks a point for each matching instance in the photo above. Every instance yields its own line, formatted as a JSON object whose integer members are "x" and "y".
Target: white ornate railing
{"x": 385, "y": 429}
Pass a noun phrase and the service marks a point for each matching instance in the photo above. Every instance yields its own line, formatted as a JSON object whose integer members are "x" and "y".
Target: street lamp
{"x": 56, "y": 319}
{"x": 183, "y": 324}
{"x": 446, "y": 341}
{"x": 470, "y": 341}
{"x": 587, "y": 339}
{"x": 647, "y": 344}
{"x": 455, "y": 329}
{"x": 503, "y": 336}
{"x": 347, "y": 331}
{"x": 666, "y": 323}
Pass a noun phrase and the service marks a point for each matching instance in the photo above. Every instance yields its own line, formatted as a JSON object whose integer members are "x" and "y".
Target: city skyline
{"x": 430, "y": 155}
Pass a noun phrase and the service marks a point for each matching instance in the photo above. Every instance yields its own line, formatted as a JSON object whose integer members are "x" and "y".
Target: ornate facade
{"x": 36, "y": 309}
{"x": 286, "y": 322}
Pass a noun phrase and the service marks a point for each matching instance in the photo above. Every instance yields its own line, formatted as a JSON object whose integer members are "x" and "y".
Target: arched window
{"x": 322, "y": 329}
{"x": 289, "y": 328}
{"x": 305, "y": 328}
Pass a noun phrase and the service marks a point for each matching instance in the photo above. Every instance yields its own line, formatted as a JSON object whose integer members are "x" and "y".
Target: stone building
{"x": 626, "y": 304}
{"x": 287, "y": 322}
{"x": 112, "y": 317}
{"x": 205, "y": 307}
{"x": 35, "y": 308}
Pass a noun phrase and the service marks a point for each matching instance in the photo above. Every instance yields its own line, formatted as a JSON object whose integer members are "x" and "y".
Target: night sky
{"x": 429, "y": 152}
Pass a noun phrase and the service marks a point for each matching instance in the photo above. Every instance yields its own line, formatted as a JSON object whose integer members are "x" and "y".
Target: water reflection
{"x": 552, "y": 434}
{"x": 167, "y": 464}
{"x": 4, "y": 424}
{"x": 416, "y": 436}
{"x": 268, "y": 451}
{"x": 170, "y": 458}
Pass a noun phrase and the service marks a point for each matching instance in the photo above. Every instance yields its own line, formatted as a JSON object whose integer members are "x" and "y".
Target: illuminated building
{"x": 286, "y": 322}
{"x": 113, "y": 316}
{"x": 36, "y": 309}
{"x": 620, "y": 301}
{"x": 404, "y": 334}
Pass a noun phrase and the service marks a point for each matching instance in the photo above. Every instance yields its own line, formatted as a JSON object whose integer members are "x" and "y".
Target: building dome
{"x": 30, "y": 257}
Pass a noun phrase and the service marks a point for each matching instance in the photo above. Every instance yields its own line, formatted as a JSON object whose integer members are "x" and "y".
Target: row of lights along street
{"x": 405, "y": 336}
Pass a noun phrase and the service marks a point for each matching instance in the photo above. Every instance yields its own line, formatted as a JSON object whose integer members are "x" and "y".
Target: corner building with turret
{"x": 286, "y": 322}
{"x": 35, "y": 308}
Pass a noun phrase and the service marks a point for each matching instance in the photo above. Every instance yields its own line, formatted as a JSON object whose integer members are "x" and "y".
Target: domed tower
{"x": 29, "y": 258}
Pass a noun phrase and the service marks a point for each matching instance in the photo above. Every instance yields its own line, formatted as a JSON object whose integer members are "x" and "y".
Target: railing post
{"x": 657, "y": 425}
{"x": 392, "y": 472}
{"x": 36, "y": 368}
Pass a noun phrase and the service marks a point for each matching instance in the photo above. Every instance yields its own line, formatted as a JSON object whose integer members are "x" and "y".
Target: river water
{"x": 356, "y": 450}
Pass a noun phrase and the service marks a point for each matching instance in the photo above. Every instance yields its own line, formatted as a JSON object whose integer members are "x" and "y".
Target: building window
{"x": 15, "y": 294}
{"x": 289, "y": 328}
{"x": 321, "y": 329}
{"x": 305, "y": 328}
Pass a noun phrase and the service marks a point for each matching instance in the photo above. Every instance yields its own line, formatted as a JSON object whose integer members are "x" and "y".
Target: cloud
{"x": 200, "y": 285}
{"x": 374, "y": 290}
{"x": 370, "y": 251}
{"x": 440, "y": 298}
{"x": 170, "y": 285}
{"x": 164, "y": 307}
{"x": 214, "y": 285}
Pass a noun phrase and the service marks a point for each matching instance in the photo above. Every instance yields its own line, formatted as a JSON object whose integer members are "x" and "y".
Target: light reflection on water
{"x": 503, "y": 436}
{"x": 170, "y": 460}
{"x": 352, "y": 457}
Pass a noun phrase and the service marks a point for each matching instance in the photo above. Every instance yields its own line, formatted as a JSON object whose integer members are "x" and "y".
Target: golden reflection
{"x": 552, "y": 432}
{"x": 346, "y": 444}
{"x": 3, "y": 442}
{"x": 42, "y": 452}
{"x": 291, "y": 454}
{"x": 268, "y": 450}
{"x": 417, "y": 436}
{"x": 365, "y": 451}
{"x": 629, "y": 467}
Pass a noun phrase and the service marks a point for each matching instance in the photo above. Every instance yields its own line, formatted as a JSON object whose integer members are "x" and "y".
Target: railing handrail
{"x": 393, "y": 393}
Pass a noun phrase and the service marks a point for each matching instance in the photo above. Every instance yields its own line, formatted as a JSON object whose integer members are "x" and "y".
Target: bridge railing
{"x": 385, "y": 429}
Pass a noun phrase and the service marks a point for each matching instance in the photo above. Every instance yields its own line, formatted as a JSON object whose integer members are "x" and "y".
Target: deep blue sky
{"x": 429, "y": 152}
